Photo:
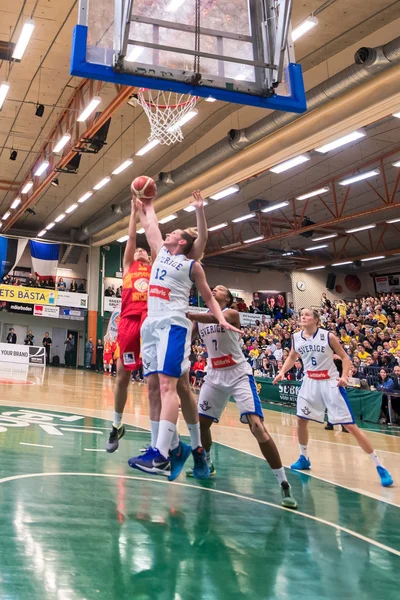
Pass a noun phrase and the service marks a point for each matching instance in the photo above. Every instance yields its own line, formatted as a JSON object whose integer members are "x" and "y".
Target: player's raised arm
{"x": 288, "y": 364}
{"x": 231, "y": 315}
{"x": 149, "y": 222}
{"x": 130, "y": 248}
{"x": 199, "y": 279}
{"x": 202, "y": 232}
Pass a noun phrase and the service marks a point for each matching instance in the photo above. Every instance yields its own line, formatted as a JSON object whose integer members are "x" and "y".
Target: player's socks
{"x": 375, "y": 459}
{"x": 154, "y": 425}
{"x": 115, "y": 435}
{"x": 117, "y": 419}
{"x": 208, "y": 458}
{"x": 303, "y": 450}
{"x": 195, "y": 438}
{"x": 166, "y": 432}
{"x": 175, "y": 441}
{"x": 280, "y": 475}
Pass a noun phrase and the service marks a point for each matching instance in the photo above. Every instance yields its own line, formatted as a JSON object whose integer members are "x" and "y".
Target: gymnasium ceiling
{"x": 43, "y": 76}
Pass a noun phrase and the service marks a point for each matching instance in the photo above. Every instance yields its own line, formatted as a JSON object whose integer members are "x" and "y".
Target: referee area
{"x": 123, "y": 534}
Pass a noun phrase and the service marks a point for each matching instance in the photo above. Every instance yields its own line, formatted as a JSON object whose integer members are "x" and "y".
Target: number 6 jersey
{"x": 316, "y": 354}
{"x": 170, "y": 284}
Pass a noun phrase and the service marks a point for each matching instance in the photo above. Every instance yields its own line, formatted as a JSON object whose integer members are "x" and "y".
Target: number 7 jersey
{"x": 170, "y": 284}
{"x": 316, "y": 354}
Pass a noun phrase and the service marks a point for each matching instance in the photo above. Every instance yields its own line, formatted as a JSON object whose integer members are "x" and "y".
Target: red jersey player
{"x": 136, "y": 276}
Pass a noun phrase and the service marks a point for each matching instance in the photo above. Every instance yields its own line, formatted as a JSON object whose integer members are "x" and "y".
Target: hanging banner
{"x": 41, "y": 310}
{"x": 388, "y": 283}
{"x": 26, "y": 295}
{"x": 112, "y": 329}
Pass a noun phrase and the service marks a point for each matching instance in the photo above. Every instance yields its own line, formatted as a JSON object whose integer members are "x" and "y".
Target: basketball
{"x": 144, "y": 188}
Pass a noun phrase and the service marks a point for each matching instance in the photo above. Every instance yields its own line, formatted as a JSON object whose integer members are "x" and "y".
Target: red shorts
{"x": 128, "y": 341}
{"x": 107, "y": 359}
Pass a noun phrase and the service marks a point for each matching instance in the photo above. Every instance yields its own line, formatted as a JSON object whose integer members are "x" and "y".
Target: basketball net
{"x": 167, "y": 113}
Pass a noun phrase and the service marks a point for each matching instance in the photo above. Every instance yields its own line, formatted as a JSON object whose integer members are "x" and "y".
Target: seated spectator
{"x": 296, "y": 372}
{"x": 51, "y": 283}
{"x": 61, "y": 285}
{"x": 109, "y": 291}
{"x": 199, "y": 369}
{"x": 73, "y": 287}
{"x": 396, "y": 377}
{"x": 118, "y": 293}
{"x": 81, "y": 288}
{"x": 385, "y": 383}
{"x": 362, "y": 354}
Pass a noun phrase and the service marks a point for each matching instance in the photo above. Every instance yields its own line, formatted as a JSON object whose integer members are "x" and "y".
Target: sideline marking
{"x": 224, "y": 493}
{"x": 94, "y": 449}
{"x": 37, "y": 445}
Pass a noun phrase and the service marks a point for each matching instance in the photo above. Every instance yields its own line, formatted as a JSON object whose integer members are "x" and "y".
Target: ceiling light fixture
{"x": 23, "y": 40}
{"x": 41, "y": 233}
{"x": 314, "y": 268}
{"x": 341, "y": 264}
{"x": 397, "y": 115}
{"x": 255, "y": 239}
{"x": 185, "y": 119}
{"x": 393, "y": 221}
{"x": 93, "y": 104}
{"x": 62, "y": 143}
{"x": 168, "y": 219}
{"x": 27, "y": 187}
{"x": 147, "y": 147}
{"x": 16, "y": 203}
{"x": 318, "y": 192}
{"x": 4, "y": 89}
{"x": 85, "y": 197}
{"x": 122, "y": 167}
{"x": 102, "y": 183}
{"x": 233, "y": 189}
{"x": 287, "y": 254}
{"x": 325, "y": 237}
{"x": 174, "y": 5}
{"x": 244, "y": 218}
{"x": 6, "y": 215}
{"x": 275, "y": 206}
{"x": 13, "y": 155}
{"x": 357, "y": 229}
{"x": 310, "y": 248}
{"x": 50, "y": 226}
{"x": 55, "y": 182}
{"x": 39, "y": 110}
{"x": 372, "y": 258}
{"x": 123, "y": 239}
{"x": 396, "y": 164}
{"x": 304, "y": 28}
{"x": 220, "y": 226}
{"x": 360, "y": 177}
{"x": 342, "y": 141}
{"x": 71, "y": 208}
{"x": 191, "y": 208}
{"x": 41, "y": 168}
{"x": 60, "y": 218}
{"x": 289, "y": 164}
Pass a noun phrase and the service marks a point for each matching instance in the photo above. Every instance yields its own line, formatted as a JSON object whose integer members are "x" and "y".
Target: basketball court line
{"x": 37, "y": 445}
{"x": 224, "y": 493}
{"x": 356, "y": 490}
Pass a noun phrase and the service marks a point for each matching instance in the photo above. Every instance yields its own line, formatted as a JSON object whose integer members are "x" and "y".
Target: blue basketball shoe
{"x": 201, "y": 470}
{"x": 301, "y": 464}
{"x": 386, "y": 478}
{"x": 151, "y": 461}
{"x": 178, "y": 458}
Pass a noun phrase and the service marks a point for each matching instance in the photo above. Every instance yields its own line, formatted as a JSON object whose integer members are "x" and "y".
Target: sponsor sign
{"x": 157, "y": 291}
{"x": 46, "y": 311}
{"x": 249, "y": 319}
{"x": 26, "y": 355}
{"x": 388, "y": 283}
{"x": 72, "y": 299}
{"x": 111, "y": 303}
{"x": 24, "y": 309}
{"x": 72, "y": 314}
{"x": 26, "y": 295}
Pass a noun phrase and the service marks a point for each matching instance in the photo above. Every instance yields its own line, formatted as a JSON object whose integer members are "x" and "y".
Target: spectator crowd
{"x": 49, "y": 283}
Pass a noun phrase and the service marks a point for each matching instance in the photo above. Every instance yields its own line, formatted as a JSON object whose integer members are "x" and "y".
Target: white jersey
{"x": 222, "y": 345}
{"x": 316, "y": 354}
{"x": 170, "y": 284}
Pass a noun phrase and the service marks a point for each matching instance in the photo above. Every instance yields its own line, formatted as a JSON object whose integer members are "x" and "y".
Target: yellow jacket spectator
{"x": 341, "y": 308}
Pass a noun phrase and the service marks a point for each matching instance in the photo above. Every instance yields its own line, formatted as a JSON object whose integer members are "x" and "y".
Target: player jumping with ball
{"x": 322, "y": 388}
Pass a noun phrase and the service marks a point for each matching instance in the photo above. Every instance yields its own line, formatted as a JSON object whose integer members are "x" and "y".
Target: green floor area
{"x": 87, "y": 526}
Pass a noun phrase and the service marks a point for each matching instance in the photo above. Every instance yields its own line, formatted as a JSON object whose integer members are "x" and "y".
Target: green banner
{"x": 365, "y": 404}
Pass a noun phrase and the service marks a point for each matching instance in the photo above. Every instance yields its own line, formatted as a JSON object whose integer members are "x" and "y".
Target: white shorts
{"x": 166, "y": 345}
{"x": 220, "y": 384}
{"x": 317, "y": 395}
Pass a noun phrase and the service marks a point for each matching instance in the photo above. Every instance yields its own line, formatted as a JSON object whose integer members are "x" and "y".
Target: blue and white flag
{"x": 11, "y": 250}
{"x": 44, "y": 259}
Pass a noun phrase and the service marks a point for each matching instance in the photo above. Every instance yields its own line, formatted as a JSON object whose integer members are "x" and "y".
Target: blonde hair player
{"x": 322, "y": 388}
{"x": 166, "y": 337}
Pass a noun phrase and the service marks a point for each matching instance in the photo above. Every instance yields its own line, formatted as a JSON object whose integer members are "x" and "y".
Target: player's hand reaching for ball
{"x": 198, "y": 200}
{"x": 278, "y": 378}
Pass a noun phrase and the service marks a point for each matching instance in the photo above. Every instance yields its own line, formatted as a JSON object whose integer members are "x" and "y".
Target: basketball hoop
{"x": 167, "y": 112}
